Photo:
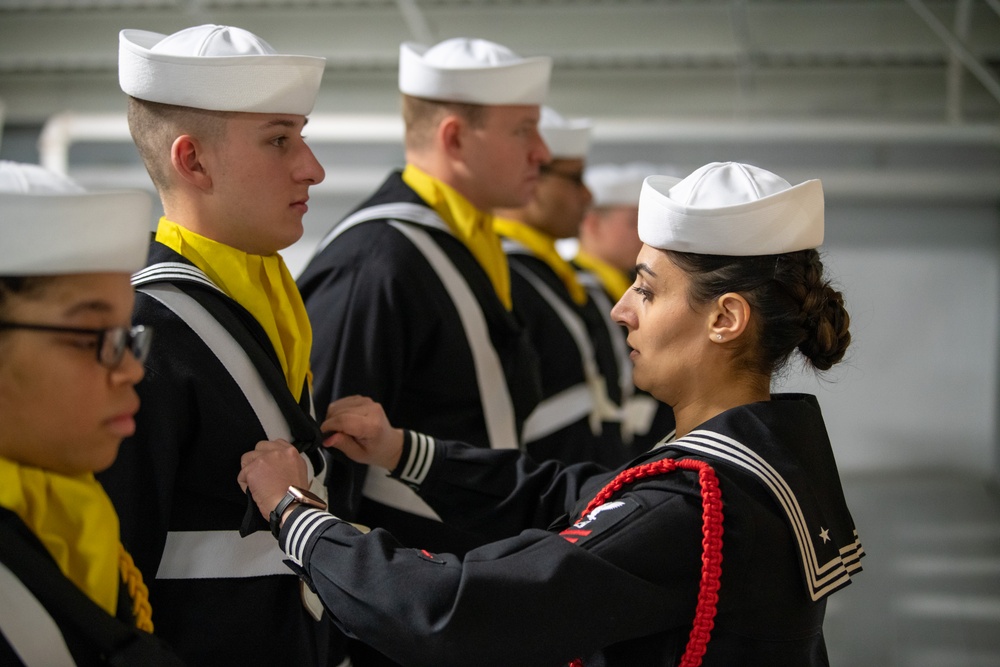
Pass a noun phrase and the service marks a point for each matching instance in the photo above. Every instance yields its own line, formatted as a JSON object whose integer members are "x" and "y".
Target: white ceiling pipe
{"x": 837, "y": 132}
{"x": 63, "y": 130}
{"x": 355, "y": 128}
{"x": 870, "y": 184}
{"x": 981, "y": 186}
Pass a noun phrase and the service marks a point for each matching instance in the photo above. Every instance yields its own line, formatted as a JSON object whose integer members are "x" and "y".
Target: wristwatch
{"x": 295, "y": 494}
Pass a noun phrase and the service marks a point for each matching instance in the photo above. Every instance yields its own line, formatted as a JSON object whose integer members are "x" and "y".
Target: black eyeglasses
{"x": 576, "y": 178}
{"x": 111, "y": 342}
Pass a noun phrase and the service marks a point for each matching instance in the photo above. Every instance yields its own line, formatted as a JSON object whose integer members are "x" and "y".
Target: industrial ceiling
{"x": 885, "y": 95}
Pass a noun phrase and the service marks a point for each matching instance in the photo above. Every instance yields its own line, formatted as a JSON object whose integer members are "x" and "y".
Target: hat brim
{"x": 784, "y": 222}
{"x": 56, "y": 234}
{"x": 524, "y": 82}
{"x": 272, "y": 83}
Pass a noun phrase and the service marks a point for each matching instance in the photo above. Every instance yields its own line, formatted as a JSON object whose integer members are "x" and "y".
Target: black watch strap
{"x": 294, "y": 494}
{"x": 279, "y": 509}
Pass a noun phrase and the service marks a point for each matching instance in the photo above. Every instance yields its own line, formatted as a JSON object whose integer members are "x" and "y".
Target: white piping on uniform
{"x": 28, "y": 627}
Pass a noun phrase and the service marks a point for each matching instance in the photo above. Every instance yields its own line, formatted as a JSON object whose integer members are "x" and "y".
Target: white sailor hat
{"x": 566, "y": 138}
{"x": 51, "y": 226}
{"x": 727, "y": 208}
{"x": 219, "y": 68}
{"x": 618, "y": 184}
{"x": 474, "y": 71}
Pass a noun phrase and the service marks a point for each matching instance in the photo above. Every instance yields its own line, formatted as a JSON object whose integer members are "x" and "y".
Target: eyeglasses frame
{"x": 134, "y": 336}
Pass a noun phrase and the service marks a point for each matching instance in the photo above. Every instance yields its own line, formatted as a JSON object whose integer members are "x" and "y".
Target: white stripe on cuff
{"x": 421, "y": 457}
{"x": 303, "y": 527}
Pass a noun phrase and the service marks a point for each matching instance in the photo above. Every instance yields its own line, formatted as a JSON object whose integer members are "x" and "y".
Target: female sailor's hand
{"x": 359, "y": 428}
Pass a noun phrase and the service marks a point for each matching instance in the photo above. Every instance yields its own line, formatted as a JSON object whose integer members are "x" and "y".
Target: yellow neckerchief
{"x": 75, "y": 520}
{"x": 615, "y": 282}
{"x": 262, "y": 285}
{"x": 543, "y": 247}
{"x": 470, "y": 225}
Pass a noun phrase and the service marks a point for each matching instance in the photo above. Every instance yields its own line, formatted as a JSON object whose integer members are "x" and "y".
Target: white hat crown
{"x": 728, "y": 208}
{"x": 218, "y": 68}
{"x": 565, "y": 138}
{"x": 213, "y": 40}
{"x": 52, "y": 226}
{"x": 721, "y": 184}
{"x": 474, "y": 71}
{"x": 461, "y": 53}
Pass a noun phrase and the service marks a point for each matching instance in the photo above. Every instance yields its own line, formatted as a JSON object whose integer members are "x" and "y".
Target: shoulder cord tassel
{"x": 132, "y": 578}
{"x": 711, "y": 558}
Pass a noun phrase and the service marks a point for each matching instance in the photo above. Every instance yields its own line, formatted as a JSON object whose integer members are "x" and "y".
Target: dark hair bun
{"x": 825, "y": 320}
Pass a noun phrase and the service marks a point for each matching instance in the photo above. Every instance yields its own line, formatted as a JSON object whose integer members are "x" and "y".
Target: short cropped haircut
{"x": 421, "y": 117}
{"x": 154, "y": 127}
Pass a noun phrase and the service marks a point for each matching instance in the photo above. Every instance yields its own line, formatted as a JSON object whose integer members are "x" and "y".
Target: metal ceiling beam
{"x": 957, "y": 47}
{"x": 744, "y": 47}
{"x": 953, "y": 101}
{"x": 416, "y": 22}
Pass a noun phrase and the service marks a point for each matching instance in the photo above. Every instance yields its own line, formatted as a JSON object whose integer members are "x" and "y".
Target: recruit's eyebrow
{"x": 282, "y": 122}
{"x": 644, "y": 268}
{"x": 89, "y": 306}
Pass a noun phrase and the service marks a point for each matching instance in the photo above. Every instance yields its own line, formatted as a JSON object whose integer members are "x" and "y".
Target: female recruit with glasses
{"x": 69, "y": 361}
{"x": 717, "y": 547}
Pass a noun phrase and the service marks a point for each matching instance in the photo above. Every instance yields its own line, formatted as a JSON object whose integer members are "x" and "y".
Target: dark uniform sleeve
{"x": 496, "y": 493}
{"x": 537, "y": 598}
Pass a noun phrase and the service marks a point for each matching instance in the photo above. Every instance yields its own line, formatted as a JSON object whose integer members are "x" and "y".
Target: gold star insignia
{"x": 825, "y": 535}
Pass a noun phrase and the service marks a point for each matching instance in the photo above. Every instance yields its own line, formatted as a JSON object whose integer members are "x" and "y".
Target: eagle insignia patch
{"x": 600, "y": 519}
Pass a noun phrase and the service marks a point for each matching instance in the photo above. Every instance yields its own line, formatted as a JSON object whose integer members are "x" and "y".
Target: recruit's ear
{"x": 187, "y": 159}
{"x": 451, "y": 135}
{"x": 729, "y": 318}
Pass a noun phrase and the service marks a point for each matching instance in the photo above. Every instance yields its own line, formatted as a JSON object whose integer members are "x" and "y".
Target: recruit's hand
{"x": 361, "y": 430}
{"x": 268, "y": 470}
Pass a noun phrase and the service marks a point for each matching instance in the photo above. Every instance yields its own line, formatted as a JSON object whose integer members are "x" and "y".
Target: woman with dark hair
{"x": 717, "y": 547}
{"x": 69, "y": 361}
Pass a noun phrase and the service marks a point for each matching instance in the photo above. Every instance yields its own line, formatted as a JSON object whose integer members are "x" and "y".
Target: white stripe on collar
{"x": 822, "y": 578}
{"x": 167, "y": 271}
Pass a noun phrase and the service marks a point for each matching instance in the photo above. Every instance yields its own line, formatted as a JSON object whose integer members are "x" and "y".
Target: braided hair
{"x": 795, "y": 305}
